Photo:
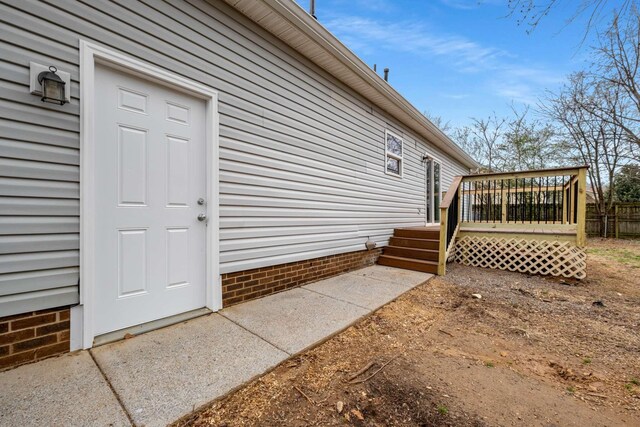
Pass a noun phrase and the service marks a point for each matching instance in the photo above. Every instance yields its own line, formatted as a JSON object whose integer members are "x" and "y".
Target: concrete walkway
{"x": 157, "y": 377}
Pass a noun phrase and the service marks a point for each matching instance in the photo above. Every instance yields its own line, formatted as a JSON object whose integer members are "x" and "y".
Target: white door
{"x": 150, "y": 174}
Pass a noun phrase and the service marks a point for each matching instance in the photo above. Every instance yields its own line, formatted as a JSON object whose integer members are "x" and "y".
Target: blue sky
{"x": 460, "y": 58}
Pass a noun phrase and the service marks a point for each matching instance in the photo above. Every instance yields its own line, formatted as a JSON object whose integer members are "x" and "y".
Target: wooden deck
{"x": 519, "y": 221}
{"x": 418, "y": 248}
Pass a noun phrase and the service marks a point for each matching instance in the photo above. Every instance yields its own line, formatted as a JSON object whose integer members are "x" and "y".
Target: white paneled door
{"x": 150, "y": 181}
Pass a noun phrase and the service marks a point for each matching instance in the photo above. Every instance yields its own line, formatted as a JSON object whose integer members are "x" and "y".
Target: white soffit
{"x": 294, "y": 26}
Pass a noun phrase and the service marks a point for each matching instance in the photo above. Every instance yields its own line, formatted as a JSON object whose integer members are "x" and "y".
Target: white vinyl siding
{"x": 302, "y": 170}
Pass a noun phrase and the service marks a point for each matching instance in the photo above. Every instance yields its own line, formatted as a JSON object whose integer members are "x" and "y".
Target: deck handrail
{"x": 573, "y": 170}
{"x": 448, "y": 197}
{"x": 514, "y": 197}
{"x": 545, "y": 198}
{"x": 449, "y": 220}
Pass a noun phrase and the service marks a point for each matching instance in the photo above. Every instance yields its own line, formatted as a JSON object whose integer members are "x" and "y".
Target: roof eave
{"x": 294, "y": 26}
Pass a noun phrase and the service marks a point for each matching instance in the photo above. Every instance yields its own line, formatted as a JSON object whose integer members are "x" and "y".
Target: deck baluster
{"x": 539, "y": 194}
{"x": 555, "y": 190}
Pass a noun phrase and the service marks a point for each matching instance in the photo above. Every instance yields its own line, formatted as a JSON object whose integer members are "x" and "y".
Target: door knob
{"x": 202, "y": 217}
{"x": 201, "y": 201}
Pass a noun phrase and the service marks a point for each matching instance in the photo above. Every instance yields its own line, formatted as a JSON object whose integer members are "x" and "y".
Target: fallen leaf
{"x": 357, "y": 414}
{"x": 339, "y": 406}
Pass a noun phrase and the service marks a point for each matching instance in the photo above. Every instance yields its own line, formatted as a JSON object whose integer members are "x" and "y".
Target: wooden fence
{"x": 623, "y": 221}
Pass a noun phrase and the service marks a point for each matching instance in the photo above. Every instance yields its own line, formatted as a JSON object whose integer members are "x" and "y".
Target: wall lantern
{"x": 52, "y": 86}
{"x": 49, "y": 84}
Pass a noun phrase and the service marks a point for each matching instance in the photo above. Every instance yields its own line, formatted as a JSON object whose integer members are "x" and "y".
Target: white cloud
{"x": 500, "y": 71}
{"x": 517, "y": 92}
{"x": 470, "y": 4}
{"x": 412, "y": 37}
{"x": 374, "y": 5}
{"x": 461, "y": 4}
{"x": 455, "y": 96}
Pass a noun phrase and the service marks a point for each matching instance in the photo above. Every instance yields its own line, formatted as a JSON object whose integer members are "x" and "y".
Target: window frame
{"x": 388, "y": 154}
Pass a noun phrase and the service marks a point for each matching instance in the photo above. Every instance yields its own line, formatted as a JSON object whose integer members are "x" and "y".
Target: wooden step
{"x": 426, "y": 254}
{"x": 407, "y": 242}
{"x": 417, "y": 233}
{"x": 409, "y": 264}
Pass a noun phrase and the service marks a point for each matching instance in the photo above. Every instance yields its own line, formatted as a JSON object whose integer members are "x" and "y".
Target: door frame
{"x": 82, "y": 319}
{"x": 429, "y": 203}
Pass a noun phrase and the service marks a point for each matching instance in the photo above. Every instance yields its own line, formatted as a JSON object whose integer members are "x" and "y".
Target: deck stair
{"x": 413, "y": 248}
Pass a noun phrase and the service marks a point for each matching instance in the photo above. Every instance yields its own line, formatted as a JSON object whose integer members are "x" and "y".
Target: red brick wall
{"x": 33, "y": 336}
{"x": 250, "y": 284}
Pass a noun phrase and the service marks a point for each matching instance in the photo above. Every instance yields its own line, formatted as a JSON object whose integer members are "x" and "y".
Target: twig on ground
{"x": 304, "y": 395}
{"x": 445, "y": 332}
{"x": 361, "y": 371}
{"x": 376, "y": 372}
{"x": 598, "y": 395}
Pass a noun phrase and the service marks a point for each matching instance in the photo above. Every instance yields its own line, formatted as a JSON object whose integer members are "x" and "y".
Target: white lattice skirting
{"x": 525, "y": 256}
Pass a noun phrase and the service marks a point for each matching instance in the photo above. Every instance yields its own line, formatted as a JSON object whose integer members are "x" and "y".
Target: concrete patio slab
{"x": 296, "y": 319}
{"x": 402, "y": 277}
{"x": 362, "y": 291}
{"x": 159, "y": 376}
{"x": 63, "y": 391}
{"x": 163, "y": 375}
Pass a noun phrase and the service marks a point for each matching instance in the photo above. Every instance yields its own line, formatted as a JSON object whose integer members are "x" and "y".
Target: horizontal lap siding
{"x": 301, "y": 155}
{"x": 39, "y": 175}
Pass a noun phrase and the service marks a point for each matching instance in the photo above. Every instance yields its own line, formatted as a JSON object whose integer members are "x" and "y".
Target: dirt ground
{"x": 532, "y": 351}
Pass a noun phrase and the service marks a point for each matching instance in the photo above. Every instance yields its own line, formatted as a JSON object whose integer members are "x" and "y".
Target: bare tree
{"x": 532, "y": 12}
{"x": 529, "y": 143}
{"x": 516, "y": 142}
{"x": 616, "y": 69}
{"x": 444, "y": 126}
{"x": 481, "y": 139}
{"x": 596, "y": 142}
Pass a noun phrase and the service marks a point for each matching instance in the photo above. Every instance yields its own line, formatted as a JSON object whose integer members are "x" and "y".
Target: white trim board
{"x": 82, "y": 323}
{"x": 429, "y": 203}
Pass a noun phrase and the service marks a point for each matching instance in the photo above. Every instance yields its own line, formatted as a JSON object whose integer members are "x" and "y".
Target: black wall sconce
{"x": 52, "y": 86}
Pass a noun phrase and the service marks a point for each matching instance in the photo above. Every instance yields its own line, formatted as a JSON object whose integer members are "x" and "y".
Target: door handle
{"x": 202, "y": 217}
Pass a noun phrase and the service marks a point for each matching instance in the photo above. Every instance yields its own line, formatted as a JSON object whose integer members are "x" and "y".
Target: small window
{"x": 393, "y": 154}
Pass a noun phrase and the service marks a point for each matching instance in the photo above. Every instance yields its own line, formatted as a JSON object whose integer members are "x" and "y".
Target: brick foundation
{"x": 40, "y": 334}
{"x": 33, "y": 336}
{"x": 250, "y": 284}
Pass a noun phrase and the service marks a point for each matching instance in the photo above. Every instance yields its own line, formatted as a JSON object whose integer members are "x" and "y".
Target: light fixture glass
{"x": 52, "y": 86}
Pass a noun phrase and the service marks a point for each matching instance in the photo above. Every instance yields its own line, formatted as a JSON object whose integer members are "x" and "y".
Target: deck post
{"x": 582, "y": 208}
{"x": 503, "y": 201}
{"x": 572, "y": 201}
{"x": 565, "y": 206}
{"x": 442, "y": 257}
